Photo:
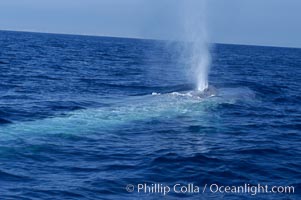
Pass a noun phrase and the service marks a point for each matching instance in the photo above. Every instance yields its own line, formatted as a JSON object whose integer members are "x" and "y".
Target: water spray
{"x": 196, "y": 35}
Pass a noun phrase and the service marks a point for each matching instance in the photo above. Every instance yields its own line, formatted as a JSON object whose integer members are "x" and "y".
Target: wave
{"x": 9, "y": 176}
{"x": 5, "y": 121}
{"x": 3, "y": 62}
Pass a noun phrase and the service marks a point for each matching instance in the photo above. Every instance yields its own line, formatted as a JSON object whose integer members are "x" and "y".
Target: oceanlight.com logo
{"x": 190, "y": 189}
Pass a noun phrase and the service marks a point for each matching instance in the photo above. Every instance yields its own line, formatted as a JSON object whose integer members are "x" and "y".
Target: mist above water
{"x": 195, "y": 33}
{"x": 184, "y": 21}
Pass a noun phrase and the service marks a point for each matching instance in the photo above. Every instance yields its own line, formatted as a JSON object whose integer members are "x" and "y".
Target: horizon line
{"x": 140, "y": 38}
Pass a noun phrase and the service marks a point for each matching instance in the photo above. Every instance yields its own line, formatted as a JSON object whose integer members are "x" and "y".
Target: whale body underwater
{"x": 130, "y": 110}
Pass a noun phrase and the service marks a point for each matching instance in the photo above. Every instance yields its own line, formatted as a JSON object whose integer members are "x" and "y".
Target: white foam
{"x": 155, "y": 93}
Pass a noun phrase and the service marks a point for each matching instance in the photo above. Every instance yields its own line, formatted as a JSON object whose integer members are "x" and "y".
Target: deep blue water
{"x": 78, "y": 119}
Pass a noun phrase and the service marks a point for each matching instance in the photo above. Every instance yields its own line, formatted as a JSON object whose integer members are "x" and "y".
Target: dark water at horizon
{"x": 78, "y": 119}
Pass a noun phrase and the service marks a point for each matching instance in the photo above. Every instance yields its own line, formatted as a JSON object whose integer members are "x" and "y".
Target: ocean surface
{"x": 82, "y": 117}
